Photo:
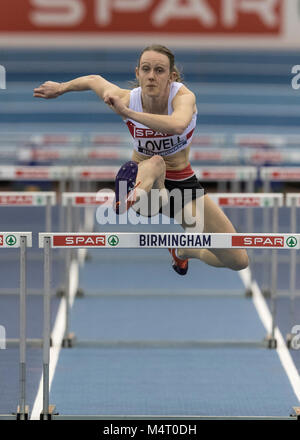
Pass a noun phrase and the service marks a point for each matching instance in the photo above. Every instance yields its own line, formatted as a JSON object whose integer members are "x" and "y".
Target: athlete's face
{"x": 153, "y": 73}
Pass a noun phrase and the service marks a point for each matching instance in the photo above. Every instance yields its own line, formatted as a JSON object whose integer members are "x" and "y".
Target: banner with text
{"x": 224, "y": 22}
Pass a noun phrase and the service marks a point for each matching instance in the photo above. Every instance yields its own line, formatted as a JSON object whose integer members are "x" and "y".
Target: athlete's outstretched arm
{"x": 97, "y": 83}
{"x": 183, "y": 108}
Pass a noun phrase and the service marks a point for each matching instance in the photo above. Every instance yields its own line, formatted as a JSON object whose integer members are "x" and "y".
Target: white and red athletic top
{"x": 150, "y": 142}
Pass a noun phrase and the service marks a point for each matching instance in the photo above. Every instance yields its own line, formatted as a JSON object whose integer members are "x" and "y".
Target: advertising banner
{"x": 185, "y": 22}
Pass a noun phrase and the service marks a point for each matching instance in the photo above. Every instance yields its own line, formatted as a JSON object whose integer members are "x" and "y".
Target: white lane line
{"x": 57, "y": 338}
{"x": 266, "y": 318}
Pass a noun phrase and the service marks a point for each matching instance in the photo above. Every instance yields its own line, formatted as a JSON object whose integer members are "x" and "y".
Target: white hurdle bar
{"x": 142, "y": 241}
{"x": 20, "y": 240}
{"x": 132, "y": 240}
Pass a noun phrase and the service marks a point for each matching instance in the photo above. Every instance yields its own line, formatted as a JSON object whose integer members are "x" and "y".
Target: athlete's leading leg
{"x": 150, "y": 171}
{"x": 134, "y": 182}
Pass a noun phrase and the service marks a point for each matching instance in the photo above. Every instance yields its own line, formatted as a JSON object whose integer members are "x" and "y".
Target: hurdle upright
{"x": 20, "y": 240}
{"x": 292, "y": 201}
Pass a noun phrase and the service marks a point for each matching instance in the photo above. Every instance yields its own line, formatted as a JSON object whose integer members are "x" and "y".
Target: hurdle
{"x": 69, "y": 201}
{"x": 88, "y": 155}
{"x": 18, "y": 199}
{"x": 292, "y": 201}
{"x": 20, "y": 240}
{"x": 85, "y": 200}
{"x": 32, "y": 199}
{"x": 232, "y": 174}
{"x": 225, "y": 200}
{"x": 251, "y": 201}
{"x": 220, "y": 174}
{"x": 146, "y": 241}
{"x": 277, "y": 174}
{"x": 57, "y": 173}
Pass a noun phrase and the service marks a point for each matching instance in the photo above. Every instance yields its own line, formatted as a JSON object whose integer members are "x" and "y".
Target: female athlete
{"x": 161, "y": 116}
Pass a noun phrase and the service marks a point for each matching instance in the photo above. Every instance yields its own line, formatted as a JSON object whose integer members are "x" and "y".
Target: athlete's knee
{"x": 238, "y": 261}
{"x": 158, "y": 165}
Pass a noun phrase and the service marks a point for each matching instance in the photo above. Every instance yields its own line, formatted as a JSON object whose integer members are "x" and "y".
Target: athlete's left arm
{"x": 183, "y": 108}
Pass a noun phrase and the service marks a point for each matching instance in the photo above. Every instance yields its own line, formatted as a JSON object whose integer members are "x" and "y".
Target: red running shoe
{"x": 179, "y": 265}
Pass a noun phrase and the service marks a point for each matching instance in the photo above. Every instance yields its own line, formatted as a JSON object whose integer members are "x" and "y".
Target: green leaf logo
{"x": 113, "y": 240}
{"x": 291, "y": 242}
{"x": 11, "y": 240}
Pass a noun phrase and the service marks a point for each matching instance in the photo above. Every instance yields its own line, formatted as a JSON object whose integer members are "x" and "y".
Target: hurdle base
{"x": 20, "y": 415}
{"x": 266, "y": 293}
{"x": 297, "y": 412}
{"x": 60, "y": 293}
{"x": 249, "y": 293}
{"x": 288, "y": 340}
{"x": 11, "y": 416}
{"x": 88, "y": 257}
{"x": 49, "y": 414}
{"x": 69, "y": 341}
{"x": 271, "y": 341}
{"x": 79, "y": 293}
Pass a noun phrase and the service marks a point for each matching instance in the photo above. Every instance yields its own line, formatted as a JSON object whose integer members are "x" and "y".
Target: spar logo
{"x": 79, "y": 240}
{"x": 258, "y": 241}
{"x": 113, "y": 240}
{"x": 291, "y": 242}
{"x": 239, "y": 201}
{"x": 16, "y": 200}
{"x": 1, "y": 240}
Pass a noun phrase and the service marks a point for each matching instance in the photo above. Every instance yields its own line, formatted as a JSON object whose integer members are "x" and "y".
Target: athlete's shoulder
{"x": 184, "y": 95}
{"x": 184, "y": 90}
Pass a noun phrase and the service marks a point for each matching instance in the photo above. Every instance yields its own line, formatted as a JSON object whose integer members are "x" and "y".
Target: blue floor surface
{"x": 184, "y": 318}
{"x": 220, "y": 382}
{"x": 9, "y": 315}
{"x": 139, "y": 269}
{"x": 9, "y": 378}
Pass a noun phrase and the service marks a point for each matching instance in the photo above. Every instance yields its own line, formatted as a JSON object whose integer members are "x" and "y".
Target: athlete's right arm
{"x": 99, "y": 85}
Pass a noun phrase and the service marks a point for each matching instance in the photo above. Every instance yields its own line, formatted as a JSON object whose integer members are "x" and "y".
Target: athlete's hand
{"x": 116, "y": 104}
{"x": 48, "y": 90}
